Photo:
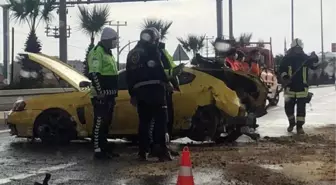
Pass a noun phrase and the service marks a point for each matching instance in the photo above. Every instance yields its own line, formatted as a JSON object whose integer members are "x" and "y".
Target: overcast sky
{"x": 263, "y": 18}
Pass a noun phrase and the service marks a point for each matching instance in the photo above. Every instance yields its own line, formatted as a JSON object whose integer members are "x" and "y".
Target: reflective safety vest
{"x": 245, "y": 67}
{"x": 232, "y": 63}
{"x": 297, "y": 94}
{"x": 255, "y": 69}
{"x": 238, "y": 65}
{"x": 168, "y": 64}
{"x": 99, "y": 61}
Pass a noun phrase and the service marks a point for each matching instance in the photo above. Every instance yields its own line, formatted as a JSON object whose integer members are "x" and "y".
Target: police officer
{"x": 294, "y": 73}
{"x": 172, "y": 71}
{"x": 103, "y": 73}
{"x": 147, "y": 83}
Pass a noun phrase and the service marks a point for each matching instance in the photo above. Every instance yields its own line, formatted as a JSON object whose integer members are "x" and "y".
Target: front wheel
{"x": 55, "y": 127}
{"x": 204, "y": 123}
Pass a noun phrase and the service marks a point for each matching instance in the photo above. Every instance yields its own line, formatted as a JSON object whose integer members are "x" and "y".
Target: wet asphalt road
{"x": 24, "y": 163}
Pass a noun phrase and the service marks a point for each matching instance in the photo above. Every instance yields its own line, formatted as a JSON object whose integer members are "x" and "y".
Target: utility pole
{"x": 6, "y": 33}
{"x": 63, "y": 46}
{"x": 322, "y": 42}
{"x": 292, "y": 18}
{"x": 118, "y": 44}
{"x": 230, "y": 20}
{"x": 219, "y": 10}
{"x": 207, "y": 44}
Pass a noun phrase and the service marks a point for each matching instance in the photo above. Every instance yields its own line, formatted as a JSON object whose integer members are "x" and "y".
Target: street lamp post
{"x": 292, "y": 19}
{"x": 219, "y": 8}
{"x": 322, "y": 42}
{"x": 230, "y": 20}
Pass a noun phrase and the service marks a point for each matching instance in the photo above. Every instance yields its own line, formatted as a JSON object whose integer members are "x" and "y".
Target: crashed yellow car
{"x": 205, "y": 108}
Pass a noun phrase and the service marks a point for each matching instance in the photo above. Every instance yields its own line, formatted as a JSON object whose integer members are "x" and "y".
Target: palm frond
{"x": 184, "y": 44}
{"x": 244, "y": 39}
{"x": 192, "y": 43}
{"x": 161, "y": 25}
{"x": 18, "y": 11}
{"x": 92, "y": 21}
{"x": 99, "y": 16}
{"x": 48, "y": 7}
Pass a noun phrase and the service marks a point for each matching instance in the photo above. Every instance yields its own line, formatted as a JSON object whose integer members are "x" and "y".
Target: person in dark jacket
{"x": 103, "y": 73}
{"x": 172, "y": 71}
{"x": 294, "y": 73}
{"x": 147, "y": 83}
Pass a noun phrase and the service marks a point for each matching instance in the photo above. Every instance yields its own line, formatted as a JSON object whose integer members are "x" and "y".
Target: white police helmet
{"x": 297, "y": 43}
{"x": 108, "y": 33}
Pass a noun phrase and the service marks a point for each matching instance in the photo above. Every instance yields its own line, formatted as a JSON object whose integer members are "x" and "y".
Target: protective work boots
{"x": 163, "y": 153}
{"x": 299, "y": 130}
{"x": 290, "y": 127}
{"x": 143, "y": 156}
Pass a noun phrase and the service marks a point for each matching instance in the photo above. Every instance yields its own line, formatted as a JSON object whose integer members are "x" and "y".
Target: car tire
{"x": 204, "y": 123}
{"x": 55, "y": 127}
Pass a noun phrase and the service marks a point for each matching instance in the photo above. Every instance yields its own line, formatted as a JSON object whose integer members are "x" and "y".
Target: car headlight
{"x": 19, "y": 105}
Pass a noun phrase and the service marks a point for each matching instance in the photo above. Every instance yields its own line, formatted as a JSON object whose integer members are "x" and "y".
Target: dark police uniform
{"x": 103, "y": 73}
{"x": 296, "y": 92}
{"x": 147, "y": 83}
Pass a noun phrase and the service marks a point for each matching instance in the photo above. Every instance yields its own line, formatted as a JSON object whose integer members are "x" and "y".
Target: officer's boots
{"x": 299, "y": 129}
{"x": 291, "y": 126}
{"x": 143, "y": 156}
{"x": 163, "y": 153}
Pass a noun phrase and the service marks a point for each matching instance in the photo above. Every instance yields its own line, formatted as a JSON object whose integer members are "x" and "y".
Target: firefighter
{"x": 254, "y": 59}
{"x": 103, "y": 73}
{"x": 147, "y": 83}
{"x": 240, "y": 60}
{"x": 231, "y": 58}
{"x": 294, "y": 73}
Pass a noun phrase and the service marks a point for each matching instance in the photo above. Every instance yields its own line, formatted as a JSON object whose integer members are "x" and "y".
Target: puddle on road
{"x": 33, "y": 173}
{"x": 308, "y": 171}
{"x": 204, "y": 176}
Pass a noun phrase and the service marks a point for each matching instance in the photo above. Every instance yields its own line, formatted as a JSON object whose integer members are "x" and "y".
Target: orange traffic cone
{"x": 185, "y": 176}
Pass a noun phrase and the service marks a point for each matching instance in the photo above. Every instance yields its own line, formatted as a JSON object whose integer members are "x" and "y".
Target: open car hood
{"x": 61, "y": 69}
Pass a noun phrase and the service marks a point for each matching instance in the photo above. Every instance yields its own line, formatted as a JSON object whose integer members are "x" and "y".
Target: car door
{"x": 125, "y": 118}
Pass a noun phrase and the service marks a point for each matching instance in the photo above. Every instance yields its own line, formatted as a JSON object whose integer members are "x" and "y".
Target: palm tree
{"x": 91, "y": 23}
{"x": 192, "y": 43}
{"x": 261, "y": 43}
{"x": 32, "y": 13}
{"x": 244, "y": 39}
{"x": 159, "y": 24}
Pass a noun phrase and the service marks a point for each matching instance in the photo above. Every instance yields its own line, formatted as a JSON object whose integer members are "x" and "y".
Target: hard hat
{"x": 108, "y": 33}
{"x": 297, "y": 43}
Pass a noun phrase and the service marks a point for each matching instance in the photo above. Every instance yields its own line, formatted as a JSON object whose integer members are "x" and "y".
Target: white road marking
{"x": 33, "y": 173}
{"x": 4, "y": 131}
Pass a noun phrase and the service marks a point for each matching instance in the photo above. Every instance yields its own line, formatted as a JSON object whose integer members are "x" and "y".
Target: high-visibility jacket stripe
{"x": 304, "y": 75}
{"x": 185, "y": 171}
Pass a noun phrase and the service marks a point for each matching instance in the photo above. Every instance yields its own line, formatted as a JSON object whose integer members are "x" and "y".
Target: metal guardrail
{"x": 29, "y": 92}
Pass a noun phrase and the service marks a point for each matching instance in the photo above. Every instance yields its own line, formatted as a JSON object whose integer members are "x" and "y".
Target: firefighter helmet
{"x": 297, "y": 43}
